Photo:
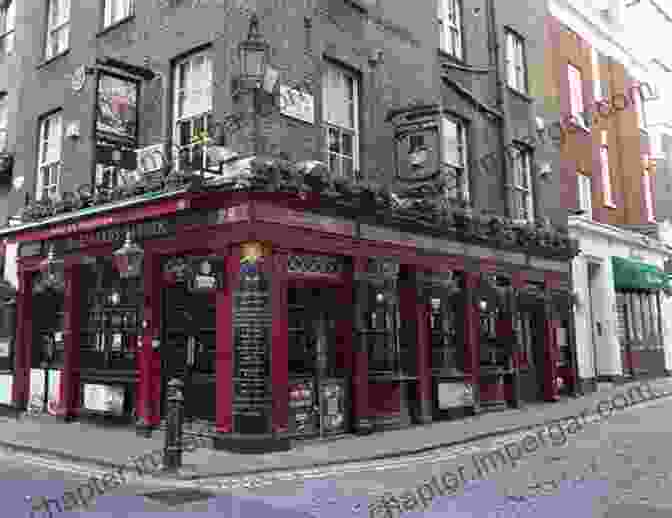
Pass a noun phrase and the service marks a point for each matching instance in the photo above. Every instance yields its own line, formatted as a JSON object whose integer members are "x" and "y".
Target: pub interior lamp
{"x": 53, "y": 268}
{"x": 128, "y": 259}
{"x": 253, "y": 54}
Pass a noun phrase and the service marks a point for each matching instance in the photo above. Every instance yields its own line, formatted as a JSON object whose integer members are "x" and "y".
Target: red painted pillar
{"x": 360, "y": 378}
{"x": 423, "y": 356}
{"x": 344, "y": 327}
{"x": 224, "y": 336}
{"x": 551, "y": 352}
{"x": 279, "y": 344}
{"x": 24, "y": 331}
{"x": 69, "y": 387}
{"x": 472, "y": 342}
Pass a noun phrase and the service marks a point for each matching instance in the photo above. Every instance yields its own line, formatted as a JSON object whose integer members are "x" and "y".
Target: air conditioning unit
{"x": 151, "y": 158}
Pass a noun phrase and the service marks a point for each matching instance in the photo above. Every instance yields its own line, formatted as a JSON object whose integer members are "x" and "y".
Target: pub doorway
{"x": 188, "y": 349}
{"x": 312, "y": 369}
{"x": 529, "y": 326}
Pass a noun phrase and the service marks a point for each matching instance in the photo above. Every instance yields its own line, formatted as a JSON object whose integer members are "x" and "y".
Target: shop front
{"x": 288, "y": 314}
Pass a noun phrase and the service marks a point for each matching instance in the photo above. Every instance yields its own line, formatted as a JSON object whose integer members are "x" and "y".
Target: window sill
{"x": 520, "y": 94}
{"x": 114, "y": 25}
{"x": 610, "y": 205}
{"x": 46, "y": 62}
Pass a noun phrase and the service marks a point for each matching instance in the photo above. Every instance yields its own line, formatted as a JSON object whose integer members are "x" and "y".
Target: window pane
{"x": 451, "y": 143}
{"x": 346, "y": 148}
{"x": 333, "y": 141}
{"x": 333, "y": 164}
{"x": 348, "y": 170}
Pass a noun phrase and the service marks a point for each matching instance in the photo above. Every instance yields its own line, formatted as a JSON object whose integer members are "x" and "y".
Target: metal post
{"x": 172, "y": 452}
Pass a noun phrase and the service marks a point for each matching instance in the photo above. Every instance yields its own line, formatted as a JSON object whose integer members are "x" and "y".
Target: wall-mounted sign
{"x": 453, "y": 395}
{"x": 297, "y": 104}
{"x": 117, "y": 108}
{"x": 104, "y": 398}
{"x": 417, "y": 148}
{"x": 6, "y": 382}
{"x": 5, "y": 347}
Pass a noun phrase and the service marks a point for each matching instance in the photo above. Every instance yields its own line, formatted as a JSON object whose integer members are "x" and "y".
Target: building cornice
{"x": 583, "y": 225}
{"x": 590, "y": 28}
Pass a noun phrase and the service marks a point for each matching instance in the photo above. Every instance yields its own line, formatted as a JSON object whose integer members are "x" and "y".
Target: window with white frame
{"x": 450, "y": 27}
{"x": 58, "y": 28}
{"x": 598, "y": 94}
{"x": 515, "y": 61}
{"x": 340, "y": 116}
{"x": 648, "y": 190}
{"x": 585, "y": 191}
{"x": 454, "y": 158}
{"x": 4, "y": 121}
{"x": 7, "y": 27}
{"x": 117, "y": 10}
{"x": 192, "y": 110}
{"x": 576, "y": 94}
{"x": 639, "y": 107}
{"x": 49, "y": 159}
{"x": 523, "y": 206}
{"x": 604, "y": 165}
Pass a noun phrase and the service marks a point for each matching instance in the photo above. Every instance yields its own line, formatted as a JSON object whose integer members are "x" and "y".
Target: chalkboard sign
{"x": 252, "y": 400}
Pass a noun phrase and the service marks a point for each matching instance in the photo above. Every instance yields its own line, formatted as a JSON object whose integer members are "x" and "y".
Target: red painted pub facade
{"x": 269, "y": 287}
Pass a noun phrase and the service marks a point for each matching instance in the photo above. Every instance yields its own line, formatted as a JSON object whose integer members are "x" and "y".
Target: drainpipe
{"x": 495, "y": 63}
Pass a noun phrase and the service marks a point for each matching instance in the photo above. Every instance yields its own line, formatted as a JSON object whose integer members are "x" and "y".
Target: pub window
{"x": 117, "y": 10}
{"x": 49, "y": 157}
{"x": 192, "y": 112}
{"x": 381, "y": 331}
{"x": 116, "y": 131}
{"x": 7, "y": 27}
{"x": 524, "y": 322}
{"x": 445, "y": 326}
{"x": 340, "y": 116}
{"x": 58, "y": 28}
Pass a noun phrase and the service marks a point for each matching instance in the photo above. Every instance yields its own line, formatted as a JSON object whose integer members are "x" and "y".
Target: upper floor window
{"x": 598, "y": 94}
{"x": 515, "y": 61}
{"x": 4, "y": 121}
{"x": 585, "y": 191}
{"x": 7, "y": 27}
{"x": 117, "y": 10}
{"x": 639, "y": 106}
{"x": 576, "y": 95}
{"x": 454, "y": 158}
{"x": 523, "y": 206}
{"x": 192, "y": 110}
{"x": 340, "y": 116}
{"x": 606, "y": 176}
{"x": 49, "y": 157}
{"x": 58, "y": 28}
{"x": 450, "y": 27}
{"x": 648, "y": 190}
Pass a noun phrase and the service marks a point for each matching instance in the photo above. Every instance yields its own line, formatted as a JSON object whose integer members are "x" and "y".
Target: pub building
{"x": 292, "y": 304}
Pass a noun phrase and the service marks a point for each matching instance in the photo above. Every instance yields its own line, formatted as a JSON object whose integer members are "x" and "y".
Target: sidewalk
{"x": 112, "y": 446}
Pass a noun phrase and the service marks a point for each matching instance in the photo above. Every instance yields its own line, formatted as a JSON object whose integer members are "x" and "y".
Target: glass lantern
{"x": 253, "y": 55}
{"x": 128, "y": 259}
{"x": 52, "y": 268}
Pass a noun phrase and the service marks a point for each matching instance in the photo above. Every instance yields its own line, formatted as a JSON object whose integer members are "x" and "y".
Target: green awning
{"x": 635, "y": 275}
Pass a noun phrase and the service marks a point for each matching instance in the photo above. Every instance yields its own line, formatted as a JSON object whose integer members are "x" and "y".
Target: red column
{"x": 69, "y": 388}
{"x": 360, "y": 379}
{"x": 344, "y": 327}
{"x": 23, "y": 340}
{"x": 224, "y": 356}
{"x": 472, "y": 345}
{"x": 551, "y": 352}
{"x": 279, "y": 343}
{"x": 424, "y": 370}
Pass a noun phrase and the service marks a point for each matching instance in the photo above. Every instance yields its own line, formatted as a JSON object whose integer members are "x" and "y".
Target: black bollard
{"x": 172, "y": 452}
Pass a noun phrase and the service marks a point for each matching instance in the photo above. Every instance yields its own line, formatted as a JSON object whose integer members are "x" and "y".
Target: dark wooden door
{"x": 189, "y": 347}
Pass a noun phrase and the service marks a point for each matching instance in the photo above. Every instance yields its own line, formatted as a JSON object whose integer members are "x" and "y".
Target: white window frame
{"x": 576, "y": 98}
{"x": 515, "y": 62}
{"x": 598, "y": 94}
{"x": 4, "y": 121}
{"x": 337, "y": 156}
{"x": 639, "y": 107}
{"x": 117, "y": 10}
{"x": 197, "y": 112}
{"x": 7, "y": 27}
{"x": 450, "y": 27}
{"x": 49, "y": 157}
{"x": 58, "y": 22}
{"x": 604, "y": 170}
{"x": 521, "y": 188}
{"x": 585, "y": 190}
{"x": 456, "y": 171}
{"x": 648, "y": 191}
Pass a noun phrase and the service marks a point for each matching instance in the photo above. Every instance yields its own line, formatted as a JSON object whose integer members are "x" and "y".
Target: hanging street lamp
{"x": 52, "y": 269}
{"x": 253, "y": 54}
{"x": 128, "y": 259}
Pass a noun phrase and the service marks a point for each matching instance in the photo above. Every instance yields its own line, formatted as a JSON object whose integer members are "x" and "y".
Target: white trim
{"x": 627, "y": 237}
{"x": 590, "y": 28}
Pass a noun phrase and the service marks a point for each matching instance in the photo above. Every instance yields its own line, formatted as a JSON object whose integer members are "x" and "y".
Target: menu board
{"x": 252, "y": 336}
